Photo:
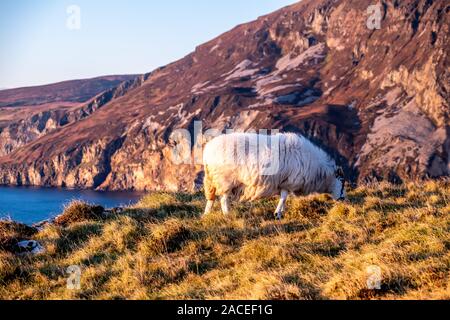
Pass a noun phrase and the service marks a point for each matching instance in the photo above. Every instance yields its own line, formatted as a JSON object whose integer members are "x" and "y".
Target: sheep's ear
{"x": 340, "y": 173}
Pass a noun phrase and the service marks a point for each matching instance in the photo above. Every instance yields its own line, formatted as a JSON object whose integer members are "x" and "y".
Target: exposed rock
{"x": 29, "y": 247}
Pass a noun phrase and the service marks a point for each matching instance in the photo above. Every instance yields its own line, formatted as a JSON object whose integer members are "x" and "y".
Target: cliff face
{"x": 57, "y": 107}
{"x": 377, "y": 100}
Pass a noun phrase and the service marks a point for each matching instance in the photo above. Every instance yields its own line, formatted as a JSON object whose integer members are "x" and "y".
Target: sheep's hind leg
{"x": 224, "y": 201}
{"x": 281, "y": 204}
{"x": 209, "y": 207}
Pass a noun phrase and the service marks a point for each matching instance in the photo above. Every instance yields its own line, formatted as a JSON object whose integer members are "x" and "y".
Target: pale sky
{"x": 115, "y": 36}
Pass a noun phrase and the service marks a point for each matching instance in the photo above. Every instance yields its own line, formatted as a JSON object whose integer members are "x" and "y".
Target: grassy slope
{"x": 162, "y": 249}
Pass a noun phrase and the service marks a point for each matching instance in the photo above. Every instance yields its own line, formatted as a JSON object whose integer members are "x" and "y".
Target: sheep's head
{"x": 338, "y": 185}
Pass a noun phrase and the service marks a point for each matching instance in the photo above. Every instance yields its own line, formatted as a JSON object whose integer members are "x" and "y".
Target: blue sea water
{"x": 32, "y": 205}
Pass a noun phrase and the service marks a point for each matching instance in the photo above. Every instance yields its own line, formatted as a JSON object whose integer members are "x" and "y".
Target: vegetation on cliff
{"x": 162, "y": 248}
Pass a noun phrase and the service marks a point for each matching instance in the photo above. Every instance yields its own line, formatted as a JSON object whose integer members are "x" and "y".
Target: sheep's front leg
{"x": 281, "y": 204}
{"x": 224, "y": 201}
{"x": 209, "y": 206}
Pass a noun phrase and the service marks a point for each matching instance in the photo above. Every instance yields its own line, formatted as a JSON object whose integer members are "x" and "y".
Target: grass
{"x": 162, "y": 248}
{"x": 78, "y": 211}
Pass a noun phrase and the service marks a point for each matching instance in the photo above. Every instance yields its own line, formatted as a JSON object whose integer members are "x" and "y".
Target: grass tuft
{"x": 78, "y": 211}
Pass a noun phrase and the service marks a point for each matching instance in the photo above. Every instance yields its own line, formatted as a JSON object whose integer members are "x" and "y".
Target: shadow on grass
{"x": 164, "y": 212}
{"x": 308, "y": 291}
{"x": 397, "y": 286}
{"x": 76, "y": 236}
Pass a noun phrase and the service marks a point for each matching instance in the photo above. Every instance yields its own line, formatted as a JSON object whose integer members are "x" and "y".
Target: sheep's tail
{"x": 210, "y": 190}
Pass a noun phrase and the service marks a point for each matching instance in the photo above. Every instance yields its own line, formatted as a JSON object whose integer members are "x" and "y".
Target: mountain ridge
{"x": 23, "y": 122}
{"x": 78, "y": 90}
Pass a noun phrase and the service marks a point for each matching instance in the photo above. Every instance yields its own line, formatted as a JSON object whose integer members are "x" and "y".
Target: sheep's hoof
{"x": 278, "y": 216}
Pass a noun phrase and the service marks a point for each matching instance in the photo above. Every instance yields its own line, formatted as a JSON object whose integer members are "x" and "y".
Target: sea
{"x": 31, "y": 205}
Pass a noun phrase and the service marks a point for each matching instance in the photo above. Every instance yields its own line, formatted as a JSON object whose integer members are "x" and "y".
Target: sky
{"x": 47, "y": 41}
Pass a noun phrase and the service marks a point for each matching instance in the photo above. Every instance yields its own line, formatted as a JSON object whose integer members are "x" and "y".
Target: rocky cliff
{"x": 30, "y": 113}
{"x": 375, "y": 98}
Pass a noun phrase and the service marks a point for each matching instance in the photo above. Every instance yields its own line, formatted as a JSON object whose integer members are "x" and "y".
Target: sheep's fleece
{"x": 247, "y": 167}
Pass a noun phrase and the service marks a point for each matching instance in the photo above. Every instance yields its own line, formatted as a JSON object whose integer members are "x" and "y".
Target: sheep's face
{"x": 338, "y": 185}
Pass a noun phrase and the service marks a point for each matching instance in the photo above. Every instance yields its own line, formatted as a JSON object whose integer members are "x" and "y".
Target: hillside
{"x": 377, "y": 100}
{"x": 75, "y": 91}
{"x": 162, "y": 249}
{"x": 30, "y": 113}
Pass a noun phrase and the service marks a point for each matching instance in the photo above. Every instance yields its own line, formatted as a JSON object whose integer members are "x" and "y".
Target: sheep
{"x": 243, "y": 166}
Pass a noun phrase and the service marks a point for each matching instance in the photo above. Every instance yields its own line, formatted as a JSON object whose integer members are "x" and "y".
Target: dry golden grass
{"x": 163, "y": 249}
{"x": 77, "y": 211}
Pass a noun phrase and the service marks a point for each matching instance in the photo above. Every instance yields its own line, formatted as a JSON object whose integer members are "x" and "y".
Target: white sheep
{"x": 249, "y": 167}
